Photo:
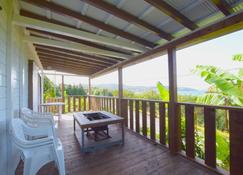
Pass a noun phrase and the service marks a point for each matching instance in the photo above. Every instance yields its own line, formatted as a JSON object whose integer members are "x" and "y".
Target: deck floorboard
{"x": 137, "y": 157}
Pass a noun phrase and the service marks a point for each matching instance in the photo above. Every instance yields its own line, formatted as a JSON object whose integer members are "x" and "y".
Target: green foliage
{"x": 101, "y": 92}
{"x": 228, "y": 86}
{"x": 75, "y": 90}
{"x": 238, "y": 57}
{"x": 164, "y": 93}
{"x": 48, "y": 88}
{"x": 211, "y": 98}
{"x": 150, "y": 94}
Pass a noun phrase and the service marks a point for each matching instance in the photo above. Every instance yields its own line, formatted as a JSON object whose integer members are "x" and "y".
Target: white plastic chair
{"x": 36, "y": 153}
{"x": 38, "y": 120}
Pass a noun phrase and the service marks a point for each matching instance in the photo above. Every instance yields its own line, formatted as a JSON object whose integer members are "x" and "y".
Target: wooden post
{"x": 30, "y": 83}
{"x": 63, "y": 98}
{"x": 236, "y": 141}
{"x": 120, "y": 90}
{"x": 89, "y": 93}
{"x": 174, "y": 120}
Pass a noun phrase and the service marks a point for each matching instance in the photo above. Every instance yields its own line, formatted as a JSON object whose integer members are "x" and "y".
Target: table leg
{"x": 74, "y": 128}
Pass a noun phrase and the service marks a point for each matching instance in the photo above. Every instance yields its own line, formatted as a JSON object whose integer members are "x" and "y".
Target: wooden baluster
{"x": 69, "y": 106}
{"x": 74, "y": 103}
{"x": 102, "y": 104}
{"x": 98, "y": 104}
{"x": 124, "y": 110}
{"x": 137, "y": 116}
{"x": 152, "y": 120}
{"x": 117, "y": 106}
{"x": 236, "y": 141}
{"x": 85, "y": 102}
{"x": 210, "y": 136}
{"x": 190, "y": 130}
{"x": 79, "y": 103}
{"x": 144, "y": 116}
{"x": 113, "y": 106}
{"x": 131, "y": 113}
{"x": 110, "y": 100}
{"x": 162, "y": 134}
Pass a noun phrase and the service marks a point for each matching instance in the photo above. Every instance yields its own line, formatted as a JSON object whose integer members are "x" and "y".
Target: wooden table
{"x": 59, "y": 106}
{"x": 88, "y": 145}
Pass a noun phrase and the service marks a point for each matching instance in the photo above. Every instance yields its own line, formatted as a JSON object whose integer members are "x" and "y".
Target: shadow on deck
{"x": 137, "y": 157}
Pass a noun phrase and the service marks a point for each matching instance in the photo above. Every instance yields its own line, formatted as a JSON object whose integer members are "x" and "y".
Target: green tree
{"x": 226, "y": 88}
{"x": 48, "y": 88}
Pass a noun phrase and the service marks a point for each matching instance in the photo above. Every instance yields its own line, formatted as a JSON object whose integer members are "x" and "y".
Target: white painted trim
{"x": 73, "y": 46}
{"x": 59, "y": 29}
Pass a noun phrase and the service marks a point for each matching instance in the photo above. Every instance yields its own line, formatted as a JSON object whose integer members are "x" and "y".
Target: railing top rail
{"x": 77, "y": 95}
{"x": 103, "y": 96}
{"x": 212, "y": 106}
{"x": 149, "y": 100}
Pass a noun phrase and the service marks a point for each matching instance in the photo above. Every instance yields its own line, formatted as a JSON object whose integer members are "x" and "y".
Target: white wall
{"x": 3, "y": 88}
{"x": 13, "y": 80}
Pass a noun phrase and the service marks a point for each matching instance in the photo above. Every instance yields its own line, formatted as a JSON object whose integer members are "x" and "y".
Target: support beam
{"x": 67, "y": 38}
{"x": 173, "y": 13}
{"x": 77, "y": 59}
{"x": 74, "y": 57}
{"x": 30, "y": 83}
{"x": 63, "y": 30}
{"x": 89, "y": 93}
{"x": 120, "y": 89}
{"x": 68, "y": 69}
{"x": 63, "y": 98}
{"x": 128, "y": 17}
{"x": 222, "y": 27}
{"x": 74, "y": 53}
{"x": 174, "y": 121}
{"x": 223, "y": 6}
{"x": 73, "y": 64}
{"x": 72, "y": 46}
{"x": 96, "y": 23}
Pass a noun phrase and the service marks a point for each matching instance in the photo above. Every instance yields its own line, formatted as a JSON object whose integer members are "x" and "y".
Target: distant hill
{"x": 140, "y": 89}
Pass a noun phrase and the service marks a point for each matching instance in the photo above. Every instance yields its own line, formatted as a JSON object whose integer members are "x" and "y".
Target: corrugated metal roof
{"x": 201, "y": 12}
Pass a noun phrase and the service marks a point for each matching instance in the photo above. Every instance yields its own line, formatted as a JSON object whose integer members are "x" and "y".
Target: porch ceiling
{"x": 86, "y": 37}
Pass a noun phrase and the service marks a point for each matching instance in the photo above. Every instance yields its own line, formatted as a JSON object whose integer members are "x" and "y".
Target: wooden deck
{"x": 137, "y": 156}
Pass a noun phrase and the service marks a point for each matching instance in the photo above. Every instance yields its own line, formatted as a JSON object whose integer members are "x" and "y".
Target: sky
{"x": 217, "y": 52}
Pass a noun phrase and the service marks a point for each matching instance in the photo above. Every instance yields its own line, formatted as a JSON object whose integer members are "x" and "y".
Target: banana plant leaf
{"x": 164, "y": 93}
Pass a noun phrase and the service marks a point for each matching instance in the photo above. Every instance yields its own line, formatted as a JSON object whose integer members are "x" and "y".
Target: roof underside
{"x": 113, "y": 30}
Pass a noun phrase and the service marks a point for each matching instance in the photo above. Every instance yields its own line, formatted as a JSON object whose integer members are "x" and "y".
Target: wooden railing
{"x": 76, "y": 103}
{"x": 209, "y": 116}
{"x": 52, "y": 109}
{"x": 150, "y": 119}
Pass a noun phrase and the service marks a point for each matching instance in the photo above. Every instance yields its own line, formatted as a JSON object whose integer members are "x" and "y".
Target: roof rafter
{"x": 67, "y": 31}
{"x": 128, "y": 17}
{"x": 71, "y": 46}
{"x": 46, "y": 58}
{"x": 63, "y": 58}
{"x": 111, "y": 29}
{"x": 173, "y": 13}
{"x": 223, "y": 6}
{"x": 67, "y": 38}
{"x": 75, "y": 53}
{"x": 63, "y": 68}
{"x": 71, "y": 63}
{"x": 75, "y": 58}
{"x": 40, "y": 50}
{"x": 47, "y": 63}
{"x": 224, "y": 26}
